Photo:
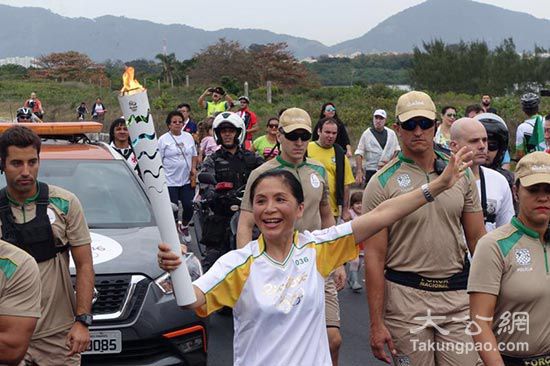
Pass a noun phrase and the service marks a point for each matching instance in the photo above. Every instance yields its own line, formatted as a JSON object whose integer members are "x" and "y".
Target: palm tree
{"x": 168, "y": 65}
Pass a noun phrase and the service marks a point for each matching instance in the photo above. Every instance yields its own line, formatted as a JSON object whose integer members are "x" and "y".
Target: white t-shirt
{"x": 279, "y": 308}
{"x": 176, "y": 167}
{"x": 499, "y": 198}
{"x": 525, "y": 128}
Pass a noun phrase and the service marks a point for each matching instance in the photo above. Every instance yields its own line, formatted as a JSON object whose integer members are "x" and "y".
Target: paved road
{"x": 355, "y": 349}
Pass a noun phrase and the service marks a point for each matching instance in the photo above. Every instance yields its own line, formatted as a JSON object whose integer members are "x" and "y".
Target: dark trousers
{"x": 183, "y": 194}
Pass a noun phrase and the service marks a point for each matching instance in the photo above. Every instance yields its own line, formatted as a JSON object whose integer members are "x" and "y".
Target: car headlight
{"x": 164, "y": 282}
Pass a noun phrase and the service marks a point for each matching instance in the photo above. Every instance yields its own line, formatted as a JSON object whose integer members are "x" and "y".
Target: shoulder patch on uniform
{"x": 387, "y": 173}
{"x": 506, "y": 244}
{"x": 318, "y": 168}
{"x": 61, "y": 204}
{"x": 8, "y": 267}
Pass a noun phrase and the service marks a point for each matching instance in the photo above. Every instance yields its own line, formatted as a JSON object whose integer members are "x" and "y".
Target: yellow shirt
{"x": 327, "y": 157}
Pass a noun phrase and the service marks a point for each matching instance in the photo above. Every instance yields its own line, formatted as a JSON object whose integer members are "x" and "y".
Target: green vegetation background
{"x": 355, "y": 104}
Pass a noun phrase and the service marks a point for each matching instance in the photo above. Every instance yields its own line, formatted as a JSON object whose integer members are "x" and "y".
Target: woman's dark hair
{"x": 356, "y": 197}
{"x": 446, "y": 108}
{"x": 205, "y": 126}
{"x": 172, "y": 114}
{"x": 18, "y": 136}
{"x": 342, "y": 138}
{"x": 281, "y": 111}
{"x": 324, "y": 121}
{"x": 287, "y": 177}
{"x": 473, "y": 108}
{"x": 186, "y": 105}
{"x": 117, "y": 122}
{"x": 273, "y": 118}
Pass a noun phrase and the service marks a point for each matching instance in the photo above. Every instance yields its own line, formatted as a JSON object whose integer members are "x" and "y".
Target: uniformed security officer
{"x": 417, "y": 269}
{"x": 47, "y": 221}
{"x": 509, "y": 283}
{"x": 229, "y": 164}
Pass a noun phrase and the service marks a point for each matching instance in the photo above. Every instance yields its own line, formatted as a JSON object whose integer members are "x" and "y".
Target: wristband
{"x": 426, "y": 192}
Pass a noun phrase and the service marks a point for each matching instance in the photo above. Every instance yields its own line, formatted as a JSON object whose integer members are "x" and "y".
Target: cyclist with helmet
{"x": 232, "y": 164}
{"x": 530, "y": 106}
{"x": 25, "y": 114}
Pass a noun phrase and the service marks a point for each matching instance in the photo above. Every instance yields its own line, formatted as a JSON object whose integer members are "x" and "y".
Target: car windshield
{"x": 108, "y": 190}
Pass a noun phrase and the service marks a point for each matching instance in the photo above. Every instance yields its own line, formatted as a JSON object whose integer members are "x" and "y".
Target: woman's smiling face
{"x": 275, "y": 208}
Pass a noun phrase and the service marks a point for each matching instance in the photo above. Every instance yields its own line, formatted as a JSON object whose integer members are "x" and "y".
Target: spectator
{"x": 208, "y": 143}
{"x": 217, "y": 105}
{"x": 266, "y": 145}
{"x": 473, "y": 110}
{"x": 98, "y": 111}
{"x": 189, "y": 125}
{"x": 179, "y": 159}
{"x": 443, "y": 134}
{"x": 377, "y": 146}
{"x": 119, "y": 140}
{"x": 486, "y": 105}
{"x": 328, "y": 110}
{"x": 35, "y": 105}
{"x": 250, "y": 121}
{"x": 82, "y": 111}
{"x": 547, "y": 132}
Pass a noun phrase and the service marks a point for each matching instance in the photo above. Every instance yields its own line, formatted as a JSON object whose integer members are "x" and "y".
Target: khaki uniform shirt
{"x": 311, "y": 175}
{"x": 58, "y": 302}
{"x": 430, "y": 241}
{"x": 19, "y": 283}
{"x": 512, "y": 264}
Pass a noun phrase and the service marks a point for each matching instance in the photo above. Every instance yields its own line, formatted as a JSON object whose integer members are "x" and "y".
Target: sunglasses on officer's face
{"x": 295, "y": 135}
{"x": 410, "y": 125}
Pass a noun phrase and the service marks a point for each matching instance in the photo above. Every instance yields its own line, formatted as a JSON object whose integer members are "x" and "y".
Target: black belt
{"x": 458, "y": 281}
{"x": 542, "y": 360}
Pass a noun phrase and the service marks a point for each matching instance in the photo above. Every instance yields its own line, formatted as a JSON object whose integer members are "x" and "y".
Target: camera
{"x": 31, "y": 104}
{"x": 211, "y": 90}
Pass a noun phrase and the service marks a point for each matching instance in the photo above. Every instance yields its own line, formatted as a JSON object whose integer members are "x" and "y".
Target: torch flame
{"x": 131, "y": 85}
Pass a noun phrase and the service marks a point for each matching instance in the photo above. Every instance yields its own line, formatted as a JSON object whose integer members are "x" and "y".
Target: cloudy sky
{"x": 329, "y": 22}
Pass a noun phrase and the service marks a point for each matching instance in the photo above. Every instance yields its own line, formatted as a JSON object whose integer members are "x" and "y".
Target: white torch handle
{"x": 144, "y": 140}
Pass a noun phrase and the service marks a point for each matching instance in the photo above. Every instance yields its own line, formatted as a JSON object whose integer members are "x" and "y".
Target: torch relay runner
{"x": 275, "y": 284}
{"x": 135, "y": 106}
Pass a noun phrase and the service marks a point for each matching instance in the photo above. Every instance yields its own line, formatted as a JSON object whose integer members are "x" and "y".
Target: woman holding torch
{"x": 275, "y": 284}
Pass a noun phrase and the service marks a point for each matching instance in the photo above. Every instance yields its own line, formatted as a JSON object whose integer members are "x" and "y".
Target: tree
{"x": 69, "y": 65}
{"x": 168, "y": 66}
{"x": 274, "y": 62}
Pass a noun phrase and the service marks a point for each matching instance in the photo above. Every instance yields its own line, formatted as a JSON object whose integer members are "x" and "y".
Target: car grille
{"x": 119, "y": 297}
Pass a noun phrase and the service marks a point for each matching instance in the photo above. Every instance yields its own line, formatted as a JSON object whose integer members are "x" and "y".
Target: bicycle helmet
{"x": 530, "y": 101}
{"x": 229, "y": 119}
{"x": 24, "y": 113}
{"x": 496, "y": 130}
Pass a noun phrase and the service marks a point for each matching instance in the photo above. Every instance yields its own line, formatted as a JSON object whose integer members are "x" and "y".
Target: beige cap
{"x": 294, "y": 119}
{"x": 534, "y": 168}
{"x": 414, "y": 104}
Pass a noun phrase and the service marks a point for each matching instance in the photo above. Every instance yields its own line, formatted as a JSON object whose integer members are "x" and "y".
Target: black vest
{"x": 36, "y": 236}
{"x": 234, "y": 168}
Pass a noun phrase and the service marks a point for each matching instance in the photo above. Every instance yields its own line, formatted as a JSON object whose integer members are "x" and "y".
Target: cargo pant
{"x": 50, "y": 351}
{"x": 429, "y": 328}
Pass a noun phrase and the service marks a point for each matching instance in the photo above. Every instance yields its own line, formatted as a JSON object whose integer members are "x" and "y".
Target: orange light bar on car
{"x": 58, "y": 128}
{"x": 193, "y": 329}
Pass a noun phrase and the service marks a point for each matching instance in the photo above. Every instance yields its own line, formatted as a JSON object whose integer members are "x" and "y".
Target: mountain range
{"x": 110, "y": 37}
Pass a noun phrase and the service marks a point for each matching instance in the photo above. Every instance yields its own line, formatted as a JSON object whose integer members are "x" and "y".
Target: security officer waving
{"x": 229, "y": 164}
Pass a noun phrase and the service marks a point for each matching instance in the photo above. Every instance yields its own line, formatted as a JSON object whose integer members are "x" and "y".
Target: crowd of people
{"x": 453, "y": 243}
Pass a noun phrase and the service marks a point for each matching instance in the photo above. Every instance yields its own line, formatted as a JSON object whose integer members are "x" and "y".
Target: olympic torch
{"x": 134, "y": 103}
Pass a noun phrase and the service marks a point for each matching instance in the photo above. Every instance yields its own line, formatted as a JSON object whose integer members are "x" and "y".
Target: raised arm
{"x": 396, "y": 208}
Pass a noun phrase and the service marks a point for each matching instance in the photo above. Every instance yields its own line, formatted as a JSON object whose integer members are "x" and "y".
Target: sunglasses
{"x": 295, "y": 135}
{"x": 451, "y": 115}
{"x": 492, "y": 146}
{"x": 330, "y": 109}
{"x": 411, "y": 124}
{"x": 272, "y": 126}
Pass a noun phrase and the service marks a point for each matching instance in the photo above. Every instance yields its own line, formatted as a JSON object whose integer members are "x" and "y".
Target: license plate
{"x": 104, "y": 341}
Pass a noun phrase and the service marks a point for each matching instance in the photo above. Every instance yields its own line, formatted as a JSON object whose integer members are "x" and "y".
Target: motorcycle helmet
{"x": 496, "y": 130}
{"x": 229, "y": 119}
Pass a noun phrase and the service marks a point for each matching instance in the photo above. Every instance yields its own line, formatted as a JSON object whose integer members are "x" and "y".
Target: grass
{"x": 355, "y": 105}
